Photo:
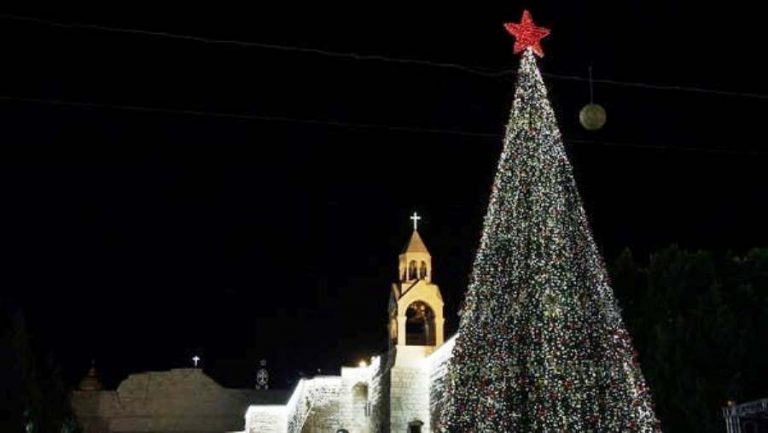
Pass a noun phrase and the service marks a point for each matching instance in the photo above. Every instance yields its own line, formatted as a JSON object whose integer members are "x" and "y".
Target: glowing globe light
{"x": 592, "y": 117}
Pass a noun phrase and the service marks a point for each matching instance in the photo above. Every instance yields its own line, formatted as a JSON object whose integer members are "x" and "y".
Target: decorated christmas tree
{"x": 541, "y": 344}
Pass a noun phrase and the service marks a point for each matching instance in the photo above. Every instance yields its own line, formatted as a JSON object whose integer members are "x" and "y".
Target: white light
{"x": 363, "y": 364}
{"x": 415, "y": 218}
{"x": 195, "y": 359}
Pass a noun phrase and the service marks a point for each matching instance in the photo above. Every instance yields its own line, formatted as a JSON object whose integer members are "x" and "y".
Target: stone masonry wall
{"x": 396, "y": 390}
{"x": 409, "y": 401}
{"x": 379, "y": 394}
{"x": 323, "y": 396}
{"x": 179, "y": 400}
{"x": 266, "y": 419}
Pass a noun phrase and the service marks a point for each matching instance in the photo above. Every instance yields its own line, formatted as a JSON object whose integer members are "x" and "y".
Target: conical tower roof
{"x": 91, "y": 381}
{"x": 416, "y": 244}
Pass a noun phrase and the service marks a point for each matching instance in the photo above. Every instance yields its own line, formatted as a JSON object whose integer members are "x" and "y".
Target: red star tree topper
{"x": 527, "y": 34}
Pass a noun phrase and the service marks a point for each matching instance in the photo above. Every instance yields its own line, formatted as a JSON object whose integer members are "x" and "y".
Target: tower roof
{"x": 415, "y": 245}
{"x": 91, "y": 381}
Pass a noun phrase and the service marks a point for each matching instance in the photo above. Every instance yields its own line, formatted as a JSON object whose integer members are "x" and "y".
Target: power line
{"x": 485, "y": 72}
{"x": 258, "y": 117}
{"x": 353, "y": 125}
{"x": 306, "y": 50}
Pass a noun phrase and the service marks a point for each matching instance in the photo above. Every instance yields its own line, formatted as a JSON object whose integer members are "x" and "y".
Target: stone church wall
{"x": 409, "y": 399}
{"x": 379, "y": 394}
{"x": 324, "y": 398}
{"x": 355, "y": 408}
{"x": 397, "y": 389}
{"x": 179, "y": 400}
{"x": 409, "y": 402}
{"x": 358, "y": 401}
{"x": 329, "y": 403}
{"x": 266, "y": 419}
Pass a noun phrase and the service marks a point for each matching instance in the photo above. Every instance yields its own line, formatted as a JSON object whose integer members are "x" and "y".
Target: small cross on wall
{"x": 195, "y": 359}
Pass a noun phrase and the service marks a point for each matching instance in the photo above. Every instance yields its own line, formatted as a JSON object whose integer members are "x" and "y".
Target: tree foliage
{"x": 33, "y": 398}
{"x": 541, "y": 345}
{"x": 700, "y": 322}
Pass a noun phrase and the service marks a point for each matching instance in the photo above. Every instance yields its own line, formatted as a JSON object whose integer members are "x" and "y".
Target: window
{"x": 360, "y": 398}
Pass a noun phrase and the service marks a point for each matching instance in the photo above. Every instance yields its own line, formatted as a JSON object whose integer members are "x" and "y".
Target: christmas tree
{"x": 541, "y": 344}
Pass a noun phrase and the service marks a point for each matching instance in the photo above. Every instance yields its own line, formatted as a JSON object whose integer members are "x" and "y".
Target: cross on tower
{"x": 415, "y": 218}
{"x": 195, "y": 359}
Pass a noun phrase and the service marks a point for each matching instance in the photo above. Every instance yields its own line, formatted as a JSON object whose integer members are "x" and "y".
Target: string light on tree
{"x": 541, "y": 345}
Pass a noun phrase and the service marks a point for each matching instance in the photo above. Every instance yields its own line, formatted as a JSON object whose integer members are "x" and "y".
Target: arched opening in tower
{"x": 423, "y": 270}
{"x": 412, "y": 275}
{"x": 419, "y": 325}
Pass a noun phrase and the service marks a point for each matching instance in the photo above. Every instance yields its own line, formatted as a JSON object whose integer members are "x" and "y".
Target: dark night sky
{"x": 140, "y": 238}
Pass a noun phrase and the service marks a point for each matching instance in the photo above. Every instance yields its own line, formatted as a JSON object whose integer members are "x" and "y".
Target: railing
{"x": 306, "y": 416}
{"x": 733, "y": 414}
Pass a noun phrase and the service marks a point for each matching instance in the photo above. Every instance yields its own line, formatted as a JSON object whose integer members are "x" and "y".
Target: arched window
{"x": 412, "y": 270}
{"x": 419, "y": 325}
{"x": 423, "y": 270}
{"x": 360, "y": 398}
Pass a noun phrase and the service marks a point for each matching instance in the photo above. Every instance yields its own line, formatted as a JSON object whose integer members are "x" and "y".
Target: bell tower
{"x": 416, "y": 304}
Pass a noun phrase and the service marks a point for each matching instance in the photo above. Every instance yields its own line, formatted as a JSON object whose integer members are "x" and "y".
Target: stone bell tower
{"x": 416, "y": 304}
